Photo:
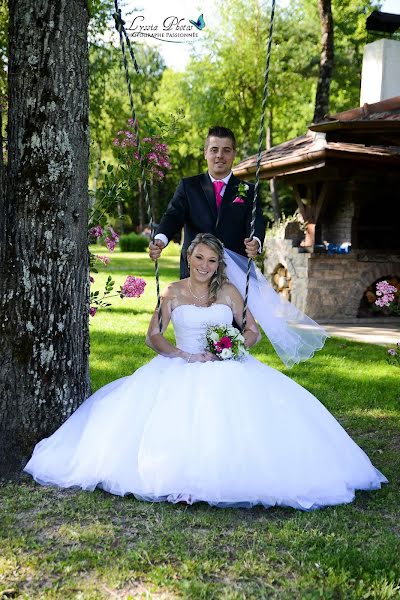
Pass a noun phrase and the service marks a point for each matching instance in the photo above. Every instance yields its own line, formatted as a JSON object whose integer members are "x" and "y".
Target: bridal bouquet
{"x": 226, "y": 342}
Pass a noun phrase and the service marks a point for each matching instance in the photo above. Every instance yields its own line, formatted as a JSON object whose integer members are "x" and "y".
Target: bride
{"x": 190, "y": 427}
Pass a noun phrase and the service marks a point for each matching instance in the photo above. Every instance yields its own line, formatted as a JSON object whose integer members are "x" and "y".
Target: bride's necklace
{"x": 199, "y": 298}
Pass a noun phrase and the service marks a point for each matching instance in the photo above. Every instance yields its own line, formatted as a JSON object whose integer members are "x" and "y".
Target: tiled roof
{"x": 371, "y": 132}
{"x": 376, "y": 111}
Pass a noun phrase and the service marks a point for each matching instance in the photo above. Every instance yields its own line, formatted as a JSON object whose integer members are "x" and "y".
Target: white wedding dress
{"x": 227, "y": 433}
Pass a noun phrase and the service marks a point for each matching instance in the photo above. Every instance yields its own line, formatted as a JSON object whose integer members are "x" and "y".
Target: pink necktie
{"x": 218, "y": 185}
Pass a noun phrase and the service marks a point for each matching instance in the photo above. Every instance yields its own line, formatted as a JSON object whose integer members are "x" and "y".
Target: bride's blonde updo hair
{"x": 219, "y": 278}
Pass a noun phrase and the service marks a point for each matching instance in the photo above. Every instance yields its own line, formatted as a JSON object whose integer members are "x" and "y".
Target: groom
{"x": 215, "y": 202}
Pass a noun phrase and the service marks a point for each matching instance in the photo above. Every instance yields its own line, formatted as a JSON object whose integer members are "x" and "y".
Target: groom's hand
{"x": 251, "y": 247}
{"x": 155, "y": 249}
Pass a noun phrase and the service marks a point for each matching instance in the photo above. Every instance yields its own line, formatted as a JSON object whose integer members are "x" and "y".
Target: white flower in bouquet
{"x": 242, "y": 351}
{"x": 226, "y": 353}
{"x": 214, "y": 336}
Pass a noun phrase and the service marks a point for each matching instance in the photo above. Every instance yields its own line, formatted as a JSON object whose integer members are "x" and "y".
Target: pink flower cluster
{"x": 394, "y": 355}
{"x": 112, "y": 241}
{"x": 92, "y": 311}
{"x": 386, "y": 293}
{"x": 96, "y": 231}
{"x": 104, "y": 259}
{"x": 224, "y": 342}
{"x": 133, "y": 287}
{"x": 128, "y": 139}
{"x": 155, "y": 152}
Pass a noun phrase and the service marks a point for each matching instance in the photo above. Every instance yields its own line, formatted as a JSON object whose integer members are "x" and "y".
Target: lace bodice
{"x": 190, "y": 323}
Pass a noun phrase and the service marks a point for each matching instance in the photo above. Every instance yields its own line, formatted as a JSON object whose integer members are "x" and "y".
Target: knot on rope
{"x": 118, "y": 20}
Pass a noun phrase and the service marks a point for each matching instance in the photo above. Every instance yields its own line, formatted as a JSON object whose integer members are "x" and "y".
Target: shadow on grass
{"x": 204, "y": 550}
{"x": 115, "y": 355}
{"x": 128, "y": 310}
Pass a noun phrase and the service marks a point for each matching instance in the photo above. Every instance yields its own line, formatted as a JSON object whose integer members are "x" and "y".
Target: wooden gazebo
{"x": 345, "y": 176}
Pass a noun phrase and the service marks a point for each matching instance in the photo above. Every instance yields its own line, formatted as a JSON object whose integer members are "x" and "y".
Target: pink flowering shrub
{"x": 107, "y": 234}
{"x": 387, "y": 297}
{"x": 133, "y": 286}
{"x": 119, "y": 184}
{"x": 154, "y": 152}
{"x": 104, "y": 259}
{"x": 96, "y": 232}
{"x": 119, "y": 188}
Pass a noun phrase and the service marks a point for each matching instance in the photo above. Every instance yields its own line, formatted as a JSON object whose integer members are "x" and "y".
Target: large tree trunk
{"x": 2, "y": 180}
{"x": 43, "y": 232}
{"x": 326, "y": 61}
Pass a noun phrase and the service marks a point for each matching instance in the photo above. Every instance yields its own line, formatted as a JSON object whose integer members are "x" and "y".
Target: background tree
{"x": 349, "y": 18}
{"x": 326, "y": 60}
{"x": 110, "y": 111}
{"x": 43, "y": 226}
{"x": 223, "y": 83}
{"x": 223, "y": 80}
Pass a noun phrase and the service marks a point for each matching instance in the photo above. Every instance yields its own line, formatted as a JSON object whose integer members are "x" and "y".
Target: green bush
{"x": 133, "y": 243}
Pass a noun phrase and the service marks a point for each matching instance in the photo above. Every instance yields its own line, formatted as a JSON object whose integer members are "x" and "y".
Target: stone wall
{"x": 337, "y": 282}
{"x": 283, "y": 252}
{"x": 328, "y": 287}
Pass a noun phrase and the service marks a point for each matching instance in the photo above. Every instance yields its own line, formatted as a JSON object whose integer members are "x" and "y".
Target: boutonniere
{"x": 242, "y": 193}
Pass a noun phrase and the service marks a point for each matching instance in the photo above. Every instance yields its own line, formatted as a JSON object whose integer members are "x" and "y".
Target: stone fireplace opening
{"x": 376, "y": 219}
{"x": 368, "y": 308}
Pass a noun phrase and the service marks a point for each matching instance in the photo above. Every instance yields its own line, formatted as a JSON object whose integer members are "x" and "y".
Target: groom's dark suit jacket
{"x": 194, "y": 208}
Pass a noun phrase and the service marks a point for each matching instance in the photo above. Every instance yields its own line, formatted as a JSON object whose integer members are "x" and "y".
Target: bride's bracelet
{"x": 190, "y": 356}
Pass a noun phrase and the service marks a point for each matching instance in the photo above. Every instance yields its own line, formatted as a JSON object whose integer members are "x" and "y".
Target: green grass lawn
{"x": 73, "y": 544}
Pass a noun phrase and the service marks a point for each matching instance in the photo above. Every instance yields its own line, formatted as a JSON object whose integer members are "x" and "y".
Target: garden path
{"x": 382, "y": 333}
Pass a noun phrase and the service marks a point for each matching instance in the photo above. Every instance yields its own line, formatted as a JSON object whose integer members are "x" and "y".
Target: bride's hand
{"x": 204, "y": 356}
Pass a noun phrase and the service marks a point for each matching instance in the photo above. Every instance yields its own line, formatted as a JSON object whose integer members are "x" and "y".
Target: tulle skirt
{"x": 227, "y": 433}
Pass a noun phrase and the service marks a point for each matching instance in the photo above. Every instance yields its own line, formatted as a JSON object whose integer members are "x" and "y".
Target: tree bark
{"x": 326, "y": 61}
{"x": 1, "y": 154}
{"x": 43, "y": 238}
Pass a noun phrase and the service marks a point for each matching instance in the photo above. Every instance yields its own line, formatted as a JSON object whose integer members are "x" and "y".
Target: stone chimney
{"x": 380, "y": 77}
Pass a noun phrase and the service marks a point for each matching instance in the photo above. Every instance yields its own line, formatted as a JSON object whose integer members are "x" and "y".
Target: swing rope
{"x": 119, "y": 24}
{"x": 258, "y": 164}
